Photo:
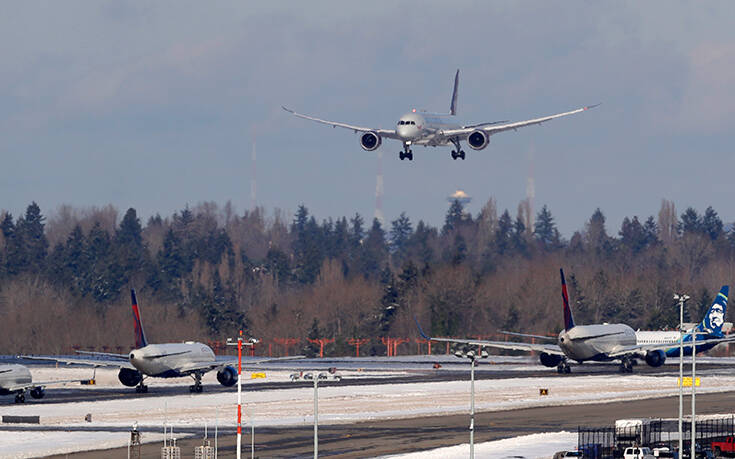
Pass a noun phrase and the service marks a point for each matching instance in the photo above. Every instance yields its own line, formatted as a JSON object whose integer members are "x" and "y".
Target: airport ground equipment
{"x": 473, "y": 356}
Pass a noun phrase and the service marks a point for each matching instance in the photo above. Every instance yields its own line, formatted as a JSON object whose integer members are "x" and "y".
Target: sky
{"x": 156, "y": 105}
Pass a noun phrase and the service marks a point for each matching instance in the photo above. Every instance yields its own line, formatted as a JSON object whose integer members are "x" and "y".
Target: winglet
{"x": 421, "y": 330}
{"x": 568, "y": 319}
{"x": 592, "y": 106}
{"x": 140, "y": 340}
{"x": 453, "y": 105}
{"x": 287, "y": 109}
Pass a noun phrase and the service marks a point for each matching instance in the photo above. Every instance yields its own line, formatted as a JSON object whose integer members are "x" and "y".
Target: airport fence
{"x": 610, "y": 442}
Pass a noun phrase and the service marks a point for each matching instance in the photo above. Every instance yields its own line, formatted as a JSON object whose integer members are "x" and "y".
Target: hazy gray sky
{"x": 154, "y": 105}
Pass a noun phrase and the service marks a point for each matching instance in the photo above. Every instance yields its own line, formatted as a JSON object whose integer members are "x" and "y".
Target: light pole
{"x": 239, "y": 345}
{"x": 314, "y": 376}
{"x": 473, "y": 359}
{"x": 681, "y": 299}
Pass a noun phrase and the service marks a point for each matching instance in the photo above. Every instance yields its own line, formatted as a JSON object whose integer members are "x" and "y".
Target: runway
{"x": 369, "y": 439}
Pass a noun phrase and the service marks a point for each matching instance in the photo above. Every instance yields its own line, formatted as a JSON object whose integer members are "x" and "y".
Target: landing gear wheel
{"x": 563, "y": 368}
{"x": 409, "y": 155}
{"x": 454, "y": 155}
{"x": 626, "y": 366}
{"x": 141, "y": 389}
{"x": 20, "y": 398}
{"x": 461, "y": 154}
{"x": 401, "y": 155}
{"x": 197, "y": 386}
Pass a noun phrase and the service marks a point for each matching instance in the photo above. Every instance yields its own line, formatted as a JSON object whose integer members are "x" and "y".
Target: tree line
{"x": 207, "y": 271}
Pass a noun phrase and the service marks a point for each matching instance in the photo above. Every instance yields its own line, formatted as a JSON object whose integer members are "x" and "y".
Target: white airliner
{"x": 436, "y": 129}
{"x": 608, "y": 342}
{"x": 16, "y": 379}
{"x": 169, "y": 360}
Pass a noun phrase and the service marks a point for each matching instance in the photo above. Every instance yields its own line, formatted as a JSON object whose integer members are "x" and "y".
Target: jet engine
{"x": 550, "y": 360}
{"x": 478, "y": 140}
{"x": 129, "y": 377}
{"x": 227, "y": 376}
{"x": 655, "y": 358}
{"x": 370, "y": 141}
{"x": 38, "y": 392}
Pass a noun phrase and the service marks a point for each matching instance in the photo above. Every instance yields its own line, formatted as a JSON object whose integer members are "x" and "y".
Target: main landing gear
{"x": 407, "y": 153}
{"x": 626, "y": 365}
{"x": 141, "y": 388}
{"x": 563, "y": 367}
{"x": 197, "y": 386}
{"x": 458, "y": 152}
{"x": 20, "y": 398}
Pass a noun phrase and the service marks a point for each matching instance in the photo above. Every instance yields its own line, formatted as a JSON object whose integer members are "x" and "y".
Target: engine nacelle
{"x": 477, "y": 140}
{"x": 129, "y": 377}
{"x": 370, "y": 141}
{"x": 227, "y": 376}
{"x": 37, "y": 392}
{"x": 550, "y": 360}
{"x": 655, "y": 358}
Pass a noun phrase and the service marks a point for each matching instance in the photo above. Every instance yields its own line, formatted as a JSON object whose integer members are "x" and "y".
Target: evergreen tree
{"x": 454, "y": 217}
{"x": 633, "y": 235}
{"x": 128, "y": 242}
{"x": 690, "y": 222}
{"x": 503, "y": 233}
{"x": 518, "y": 238}
{"x": 400, "y": 234}
{"x": 711, "y": 224}
{"x": 376, "y": 250}
{"x": 459, "y": 250}
{"x": 545, "y": 230}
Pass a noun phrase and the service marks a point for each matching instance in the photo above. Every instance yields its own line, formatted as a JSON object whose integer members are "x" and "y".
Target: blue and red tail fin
{"x": 568, "y": 319}
{"x": 715, "y": 317}
{"x": 140, "y": 340}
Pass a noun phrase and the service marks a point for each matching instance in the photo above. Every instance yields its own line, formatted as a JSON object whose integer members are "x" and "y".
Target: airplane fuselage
{"x": 170, "y": 360}
{"x": 422, "y": 128}
{"x": 672, "y": 337}
{"x": 595, "y": 342}
{"x": 13, "y": 375}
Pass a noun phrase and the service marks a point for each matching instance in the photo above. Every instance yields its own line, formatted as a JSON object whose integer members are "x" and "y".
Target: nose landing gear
{"x": 407, "y": 153}
{"x": 563, "y": 367}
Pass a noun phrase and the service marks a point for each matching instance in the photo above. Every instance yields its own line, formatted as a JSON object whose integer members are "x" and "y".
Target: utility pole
{"x": 681, "y": 299}
{"x": 473, "y": 361}
{"x": 239, "y": 390}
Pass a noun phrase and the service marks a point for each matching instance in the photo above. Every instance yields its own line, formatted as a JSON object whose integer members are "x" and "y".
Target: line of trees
{"x": 205, "y": 272}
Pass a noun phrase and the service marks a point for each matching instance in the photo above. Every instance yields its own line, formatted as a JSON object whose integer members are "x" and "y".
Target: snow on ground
{"x": 337, "y": 403}
{"x": 528, "y": 446}
{"x": 19, "y": 445}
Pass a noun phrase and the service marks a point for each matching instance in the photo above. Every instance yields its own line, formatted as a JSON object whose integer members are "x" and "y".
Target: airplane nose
{"x": 132, "y": 356}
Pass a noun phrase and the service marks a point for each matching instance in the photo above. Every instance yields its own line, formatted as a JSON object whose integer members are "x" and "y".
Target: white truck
{"x": 638, "y": 452}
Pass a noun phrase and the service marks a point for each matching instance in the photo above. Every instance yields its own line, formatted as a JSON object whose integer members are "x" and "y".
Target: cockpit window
{"x": 413, "y": 122}
{"x": 400, "y": 123}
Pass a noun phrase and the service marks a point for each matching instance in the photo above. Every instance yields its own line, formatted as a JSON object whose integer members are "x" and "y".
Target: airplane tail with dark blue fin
{"x": 715, "y": 317}
{"x": 140, "y": 340}
{"x": 568, "y": 319}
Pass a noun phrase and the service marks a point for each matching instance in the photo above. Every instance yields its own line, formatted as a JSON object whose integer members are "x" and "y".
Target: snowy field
{"x": 337, "y": 403}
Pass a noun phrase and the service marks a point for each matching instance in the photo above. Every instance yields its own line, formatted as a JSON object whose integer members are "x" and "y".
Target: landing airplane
{"x": 16, "y": 379}
{"x": 608, "y": 342}
{"x": 436, "y": 129}
{"x": 169, "y": 360}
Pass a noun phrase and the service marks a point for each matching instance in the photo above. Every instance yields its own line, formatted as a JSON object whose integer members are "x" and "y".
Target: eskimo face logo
{"x": 716, "y": 316}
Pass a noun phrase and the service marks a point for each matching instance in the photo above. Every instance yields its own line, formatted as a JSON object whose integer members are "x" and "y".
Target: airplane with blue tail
{"x": 610, "y": 342}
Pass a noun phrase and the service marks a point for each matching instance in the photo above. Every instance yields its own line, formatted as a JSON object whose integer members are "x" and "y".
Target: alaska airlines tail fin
{"x": 140, "y": 340}
{"x": 568, "y": 319}
{"x": 453, "y": 105}
{"x": 715, "y": 316}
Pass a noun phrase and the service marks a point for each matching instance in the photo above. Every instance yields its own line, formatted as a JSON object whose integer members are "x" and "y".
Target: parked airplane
{"x": 16, "y": 379}
{"x": 710, "y": 328}
{"x": 435, "y": 129}
{"x": 606, "y": 342}
{"x": 169, "y": 360}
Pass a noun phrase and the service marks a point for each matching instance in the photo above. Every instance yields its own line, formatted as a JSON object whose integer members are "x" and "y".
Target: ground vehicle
{"x": 636, "y": 452}
{"x": 665, "y": 452}
{"x": 727, "y": 447}
{"x": 563, "y": 454}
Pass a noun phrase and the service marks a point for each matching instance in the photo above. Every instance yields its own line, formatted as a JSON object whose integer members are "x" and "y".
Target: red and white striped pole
{"x": 239, "y": 393}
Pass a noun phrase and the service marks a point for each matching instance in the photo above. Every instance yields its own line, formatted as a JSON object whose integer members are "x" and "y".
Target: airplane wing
{"x": 88, "y": 362}
{"x": 387, "y": 133}
{"x": 209, "y": 366}
{"x": 104, "y": 354}
{"x": 639, "y": 348}
{"x": 491, "y": 129}
{"x": 34, "y": 384}
{"x": 510, "y": 345}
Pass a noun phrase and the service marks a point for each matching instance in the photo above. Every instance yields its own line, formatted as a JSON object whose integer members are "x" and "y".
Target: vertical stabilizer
{"x": 715, "y": 317}
{"x": 568, "y": 319}
{"x": 453, "y": 105}
{"x": 140, "y": 340}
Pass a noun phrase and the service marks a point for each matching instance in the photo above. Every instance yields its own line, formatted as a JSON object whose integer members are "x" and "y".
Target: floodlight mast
{"x": 681, "y": 299}
{"x": 250, "y": 342}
